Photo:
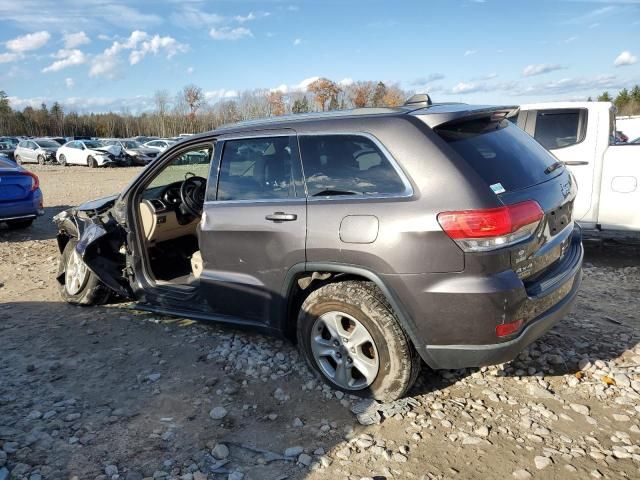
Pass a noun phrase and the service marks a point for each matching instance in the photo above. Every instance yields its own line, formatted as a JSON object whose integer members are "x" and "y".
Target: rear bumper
{"x": 22, "y": 209}
{"x": 462, "y": 356}
{"x": 452, "y": 317}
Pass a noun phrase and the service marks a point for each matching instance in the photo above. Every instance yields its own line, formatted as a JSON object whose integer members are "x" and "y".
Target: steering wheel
{"x": 192, "y": 194}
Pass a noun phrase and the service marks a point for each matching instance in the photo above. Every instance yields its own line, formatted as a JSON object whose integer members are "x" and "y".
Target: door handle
{"x": 574, "y": 163}
{"x": 281, "y": 217}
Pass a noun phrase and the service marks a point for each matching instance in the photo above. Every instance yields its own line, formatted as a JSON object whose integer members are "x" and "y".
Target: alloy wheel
{"x": 344, "y": 350}
{"x": 76, "y": 273}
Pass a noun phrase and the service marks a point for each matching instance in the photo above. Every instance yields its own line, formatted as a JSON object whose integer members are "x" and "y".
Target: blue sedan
{"x": 20, "y": 195}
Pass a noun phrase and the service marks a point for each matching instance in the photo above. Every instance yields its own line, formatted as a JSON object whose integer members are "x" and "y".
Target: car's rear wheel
{"x": 79, "y": 285}
{"x": 62, "y": 160}
{"x": 19, "y": 224}
{"x": 40, "y": 159}
{"x": 349, "y": 335}
{"x": 92, "y": 162}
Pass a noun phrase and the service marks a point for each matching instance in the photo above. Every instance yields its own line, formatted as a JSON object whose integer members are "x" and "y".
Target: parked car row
{"x": 92, "y": 152}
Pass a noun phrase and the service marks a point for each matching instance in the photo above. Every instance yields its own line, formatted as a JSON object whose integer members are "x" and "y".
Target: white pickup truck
{"x": 581, "y": 135}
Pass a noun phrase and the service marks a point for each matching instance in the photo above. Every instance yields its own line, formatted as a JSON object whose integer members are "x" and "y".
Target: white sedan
{"x": 159, "y": 145}
{"x": 89, "y": 152}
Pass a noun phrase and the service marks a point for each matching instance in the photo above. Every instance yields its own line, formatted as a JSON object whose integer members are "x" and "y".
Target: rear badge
{"x": 497, "y": 188}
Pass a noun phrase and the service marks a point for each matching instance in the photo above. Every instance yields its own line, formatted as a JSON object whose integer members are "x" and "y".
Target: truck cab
{"x": 582, "y": 136}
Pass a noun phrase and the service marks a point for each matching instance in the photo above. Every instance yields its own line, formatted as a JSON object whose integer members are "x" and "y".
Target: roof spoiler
{"x": 418, "y": 100}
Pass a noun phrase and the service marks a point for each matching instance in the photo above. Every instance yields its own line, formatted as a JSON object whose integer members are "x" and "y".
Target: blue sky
{"x": 113, "y": 54}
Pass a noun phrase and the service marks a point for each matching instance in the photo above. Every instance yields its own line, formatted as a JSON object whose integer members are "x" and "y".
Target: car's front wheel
{"x": 18, "y": 159}
{"x": 41, "y": 159}
{"x": 92, "y": 162}
{"x": 349, "y": 335}
{"x": 78, "y": 284}
{"x": 62, "y": 160}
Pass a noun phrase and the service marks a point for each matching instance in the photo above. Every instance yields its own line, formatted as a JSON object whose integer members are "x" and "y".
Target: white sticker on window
{"x": 497, "y": 188}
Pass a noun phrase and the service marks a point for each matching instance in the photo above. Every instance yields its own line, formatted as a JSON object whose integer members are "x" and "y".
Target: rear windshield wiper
{"x": 553, "y": 167}
{"x": 329, "y": 192}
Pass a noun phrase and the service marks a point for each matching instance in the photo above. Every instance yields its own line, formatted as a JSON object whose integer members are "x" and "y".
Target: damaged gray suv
{"x": 375, "y": 238}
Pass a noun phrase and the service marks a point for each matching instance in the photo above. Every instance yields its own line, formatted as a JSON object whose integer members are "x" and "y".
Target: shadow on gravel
{"x": 41, "y": 229}
{"x": 111, "y": 386}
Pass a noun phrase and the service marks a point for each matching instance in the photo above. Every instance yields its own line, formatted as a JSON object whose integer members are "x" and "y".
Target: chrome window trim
{"x": 408, "y": 188}
{"x": 407, "y": 193}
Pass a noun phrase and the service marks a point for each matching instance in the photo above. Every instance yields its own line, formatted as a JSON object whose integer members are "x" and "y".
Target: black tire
{"x": 41, "y": 160}
{"x": 62, "y": 160}
{"x": 92, "y": 162}
{"x": 19, "y": 224}
{"x": 93, "y": 292}
{"x": 399, "y": 363}
{"x": 18, "y": 160}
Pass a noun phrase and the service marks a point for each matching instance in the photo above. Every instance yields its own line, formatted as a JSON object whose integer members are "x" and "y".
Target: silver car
{"x": 36, "y": 150}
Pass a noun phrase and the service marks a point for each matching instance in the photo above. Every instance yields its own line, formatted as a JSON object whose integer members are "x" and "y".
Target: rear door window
{"x": 502, "y": 154}
{"x": 347, "y": 165}
{"x": 560, "y": 128}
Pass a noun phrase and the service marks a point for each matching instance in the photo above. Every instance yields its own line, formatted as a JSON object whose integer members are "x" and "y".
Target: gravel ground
{"x": 112, "y": 393}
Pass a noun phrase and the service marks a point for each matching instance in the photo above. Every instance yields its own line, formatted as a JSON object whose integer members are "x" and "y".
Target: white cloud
{"x": 297, "y": 41}
{"x": 572, "y": 85}
{"x": 73, "y": 40}
{"x": 470, "y": 52}
{"x": 571, "y": 39}
{"x": 69, "y": 83}
{"x": 228, "y": 33}
{"x": 190, "y": 70}
{"x": 168, "y": 45}
{"x": 140, "y": 44}
{"x": 30, "y": 41}
{"x": 220, "y": 94}
{"x": 345, "y": 82}
{"x": 539, "y": 69}
{"x": 625, "y": 58}
{"x": 299, "y": 87}
{"x": 250, "y": 16}
{"x": 463, "y": 87}
{"x": 420, "y": 81}
{"x": 66, "y": 58}
{"x": 190, "y": 16}
{"x": 9, "y": 57}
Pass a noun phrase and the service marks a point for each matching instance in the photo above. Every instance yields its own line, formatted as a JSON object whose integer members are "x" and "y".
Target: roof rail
{"x": 418, "y": 100}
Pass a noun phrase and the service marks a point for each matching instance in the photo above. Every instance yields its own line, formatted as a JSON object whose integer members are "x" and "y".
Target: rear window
{"x": 502, "y": 154}
{"x": 560, "y": 128}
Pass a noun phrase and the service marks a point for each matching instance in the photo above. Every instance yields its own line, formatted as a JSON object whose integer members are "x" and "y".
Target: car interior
{"x": 170, "y": 211}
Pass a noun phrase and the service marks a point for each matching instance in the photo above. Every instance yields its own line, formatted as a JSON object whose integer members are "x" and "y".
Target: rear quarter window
{"x": 499, "y": 152}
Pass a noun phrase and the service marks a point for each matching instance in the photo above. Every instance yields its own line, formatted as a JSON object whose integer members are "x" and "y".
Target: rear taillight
{"x": 510, "y": 328}
{"x": 35, "y": 181}
{"x": 492, "y": 228}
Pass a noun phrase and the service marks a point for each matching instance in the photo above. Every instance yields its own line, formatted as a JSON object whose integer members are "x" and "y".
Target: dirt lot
{"x": 113, "y": 393}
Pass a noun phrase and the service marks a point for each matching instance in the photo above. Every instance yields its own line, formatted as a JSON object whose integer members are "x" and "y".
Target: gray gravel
{"x": 112, "y": 393}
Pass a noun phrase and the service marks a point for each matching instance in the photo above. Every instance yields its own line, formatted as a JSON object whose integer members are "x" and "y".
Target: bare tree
{"x": 360, "y": 94}
{"x": 161, "y": 99}
{"x": 276, "y": 103}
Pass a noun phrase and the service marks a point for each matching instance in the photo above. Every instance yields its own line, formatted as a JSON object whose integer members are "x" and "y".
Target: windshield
{"x": 131, "y": 144}
{"x": 501, "y": 153}
{"x": 92, "y": 144}
{"x": 47, "y": 144}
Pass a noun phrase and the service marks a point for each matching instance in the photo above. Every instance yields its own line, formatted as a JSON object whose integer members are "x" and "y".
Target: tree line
{"x": 188, "y": 111}
{"x": 626, "y": 101}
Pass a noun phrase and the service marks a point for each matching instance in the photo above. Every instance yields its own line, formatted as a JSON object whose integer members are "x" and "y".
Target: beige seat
{"x": 196, "y": 264}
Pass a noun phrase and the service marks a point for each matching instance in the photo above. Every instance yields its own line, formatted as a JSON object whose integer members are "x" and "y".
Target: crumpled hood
{"x": 101, "y": 203}
{"x": 112, "y": 149}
